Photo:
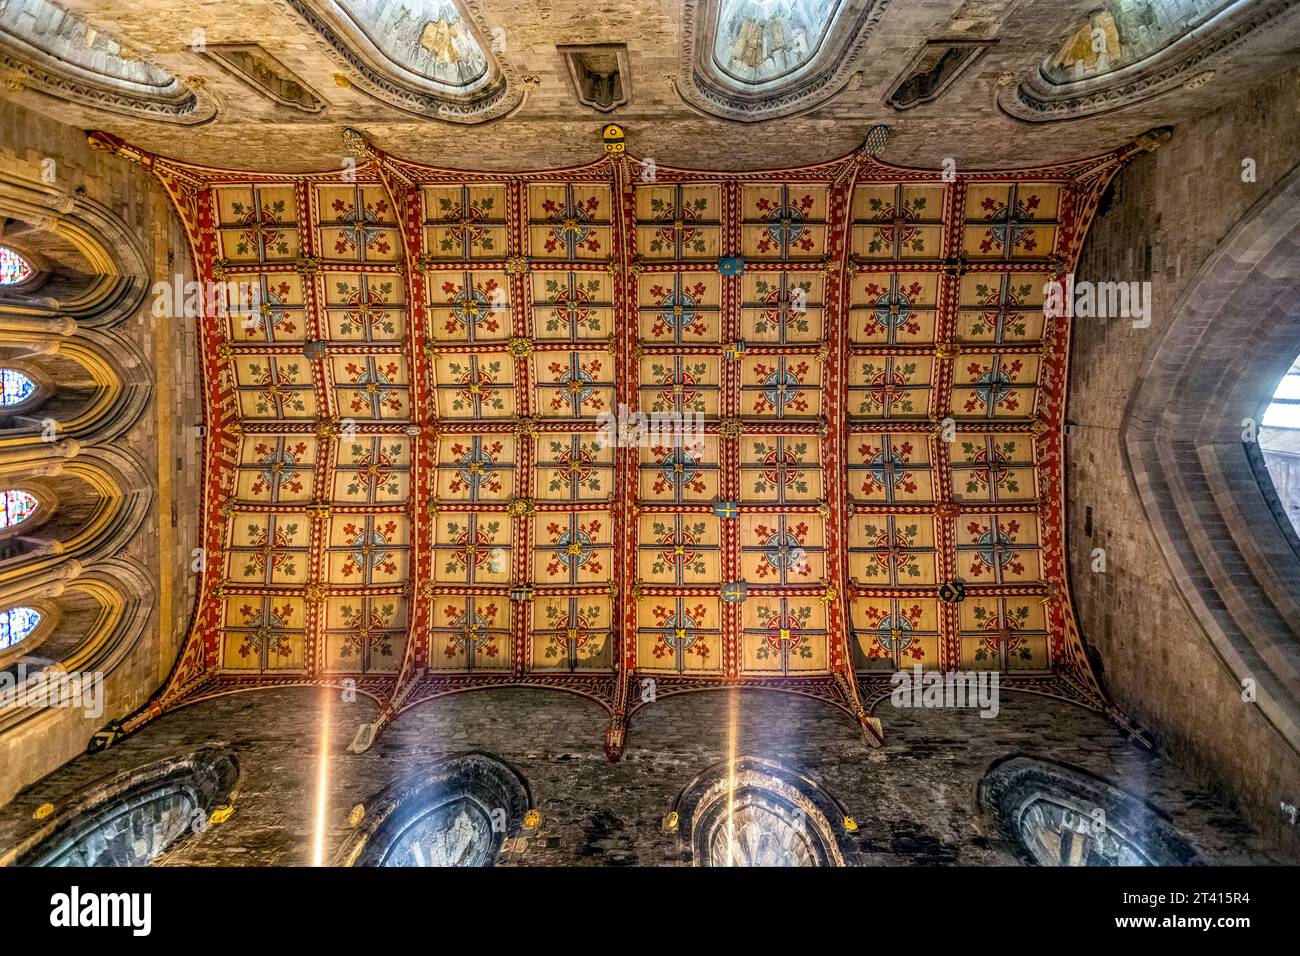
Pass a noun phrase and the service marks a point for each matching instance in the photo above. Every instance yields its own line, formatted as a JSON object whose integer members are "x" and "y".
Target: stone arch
{"x": 1163, "y": 60}
{"x": 1189, "y": 443}
{"x": 54, "y": 52}
{"x": 91, "y": 275}
{"x": 1052, "y": 814}
{"x": 97, "y": 614}
{"x": 469, "y": 804}
{"x": 706, "y": 85}
{"x": 133, "y": 817}
{"x": 90, "y": 268}
{"x": 92, "y": 503}
{"x": 378, "y": 45}
{"x": 89, "y": 386}
{"x": 759, "y": 812}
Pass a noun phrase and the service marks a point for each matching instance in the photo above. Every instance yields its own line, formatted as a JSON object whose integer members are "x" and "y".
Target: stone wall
{"x": 166, "y": 438}
{"x": 914, "y": 799}
{"x": 552, "y": 129}
{"x": 1168, "y": 213}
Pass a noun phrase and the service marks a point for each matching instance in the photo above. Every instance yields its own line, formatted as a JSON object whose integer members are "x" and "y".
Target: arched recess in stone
{"x": 133, "y": 817}
{"x": 829, "y": 38}
{"x": 1052, "y": 814}
{"x": 91, "y": 274}
{"x": 1160, "y": 54}
{"x": 89, "y": 267}
{"x": 1189, "y": 440}
{"x": 61, "y": 328}
{"x": 389, "y": 50}
{"x": 26, "y": 506}
{"x": 89, "y": 386}
{"x": 91, "y": 505}
{"x": 752, "y": 811}
{"x": 92, "y": 617}
{"x": 460, "y": 811}
{"x": 53, "y": 51}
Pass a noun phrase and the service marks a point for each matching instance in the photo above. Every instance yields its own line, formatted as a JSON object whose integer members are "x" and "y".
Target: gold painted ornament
{"x": 613, "y": 137}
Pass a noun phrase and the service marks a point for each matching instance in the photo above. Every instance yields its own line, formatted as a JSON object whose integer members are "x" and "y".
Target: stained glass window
{"x": 13, "y": 267}
{"x": 16, "y": 623}
{"x": 428, "y": 37}
{"x": 1124, "y": 32}
{"x": 758, "y": 41}
{"x": 458, "y": 833}
{"x": 15, "y": 387}
{"x": 16, "y": 507}
{"x": 755, "y": 834}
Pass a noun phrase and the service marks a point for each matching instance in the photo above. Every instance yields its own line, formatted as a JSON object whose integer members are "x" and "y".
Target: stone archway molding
{"x": 1213, "y": 511}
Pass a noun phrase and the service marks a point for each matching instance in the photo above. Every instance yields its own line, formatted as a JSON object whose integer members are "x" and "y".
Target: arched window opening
{"x": 15, "y": 387}
{"x": 13, "y": 267}
{"x": 1279, "y": 440}
{"x": 51, "y": 50}
{"x": 762, "y": 41}
{"x": 1125, "y": 32}
{"x": 754, "y": 60}
{"x": 757, "y": 829}
{"x": 1059, "y": 832}
{"x": 16, "y": 506}
{"x": 755, "y": 812}
{"x": 1054, "y": 815}
{"x": 459, "y": 812}
{"x": 428, "y": 37}
{"x": 457, "y": 833}
{"x": 137, "y": 816}
{"x": 1130, "y": 51}
{"x": 16, "y": 624}
{"x": 65, "y": 37}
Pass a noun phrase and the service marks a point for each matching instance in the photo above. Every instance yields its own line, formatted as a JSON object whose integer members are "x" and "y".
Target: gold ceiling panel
{"x": 593, "y": 427}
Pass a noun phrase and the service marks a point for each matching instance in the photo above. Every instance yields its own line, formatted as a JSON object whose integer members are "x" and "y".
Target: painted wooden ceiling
{"x": 409, "y": 479}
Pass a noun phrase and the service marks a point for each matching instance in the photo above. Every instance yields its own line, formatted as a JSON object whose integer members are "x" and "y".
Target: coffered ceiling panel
{"x": 630, "y": 431}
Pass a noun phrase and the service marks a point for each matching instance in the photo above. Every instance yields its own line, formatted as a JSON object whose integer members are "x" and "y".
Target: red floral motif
{"x": 906, "y": 481}
{"x": 363, "y": 223}
{"x": 795, "y": 400}
{"x": 572, "y": 225}
{"x": 877, "y": 650}
{"x": 371, "y": 549}
{"x": 666, "y": 618}
{"x": 1021, "y": 236}
{"x": 910, "y": 325}
{"x": 993, "y": 542}
{"x": 281, "y": 468}
{"x": 772, "y": 210}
